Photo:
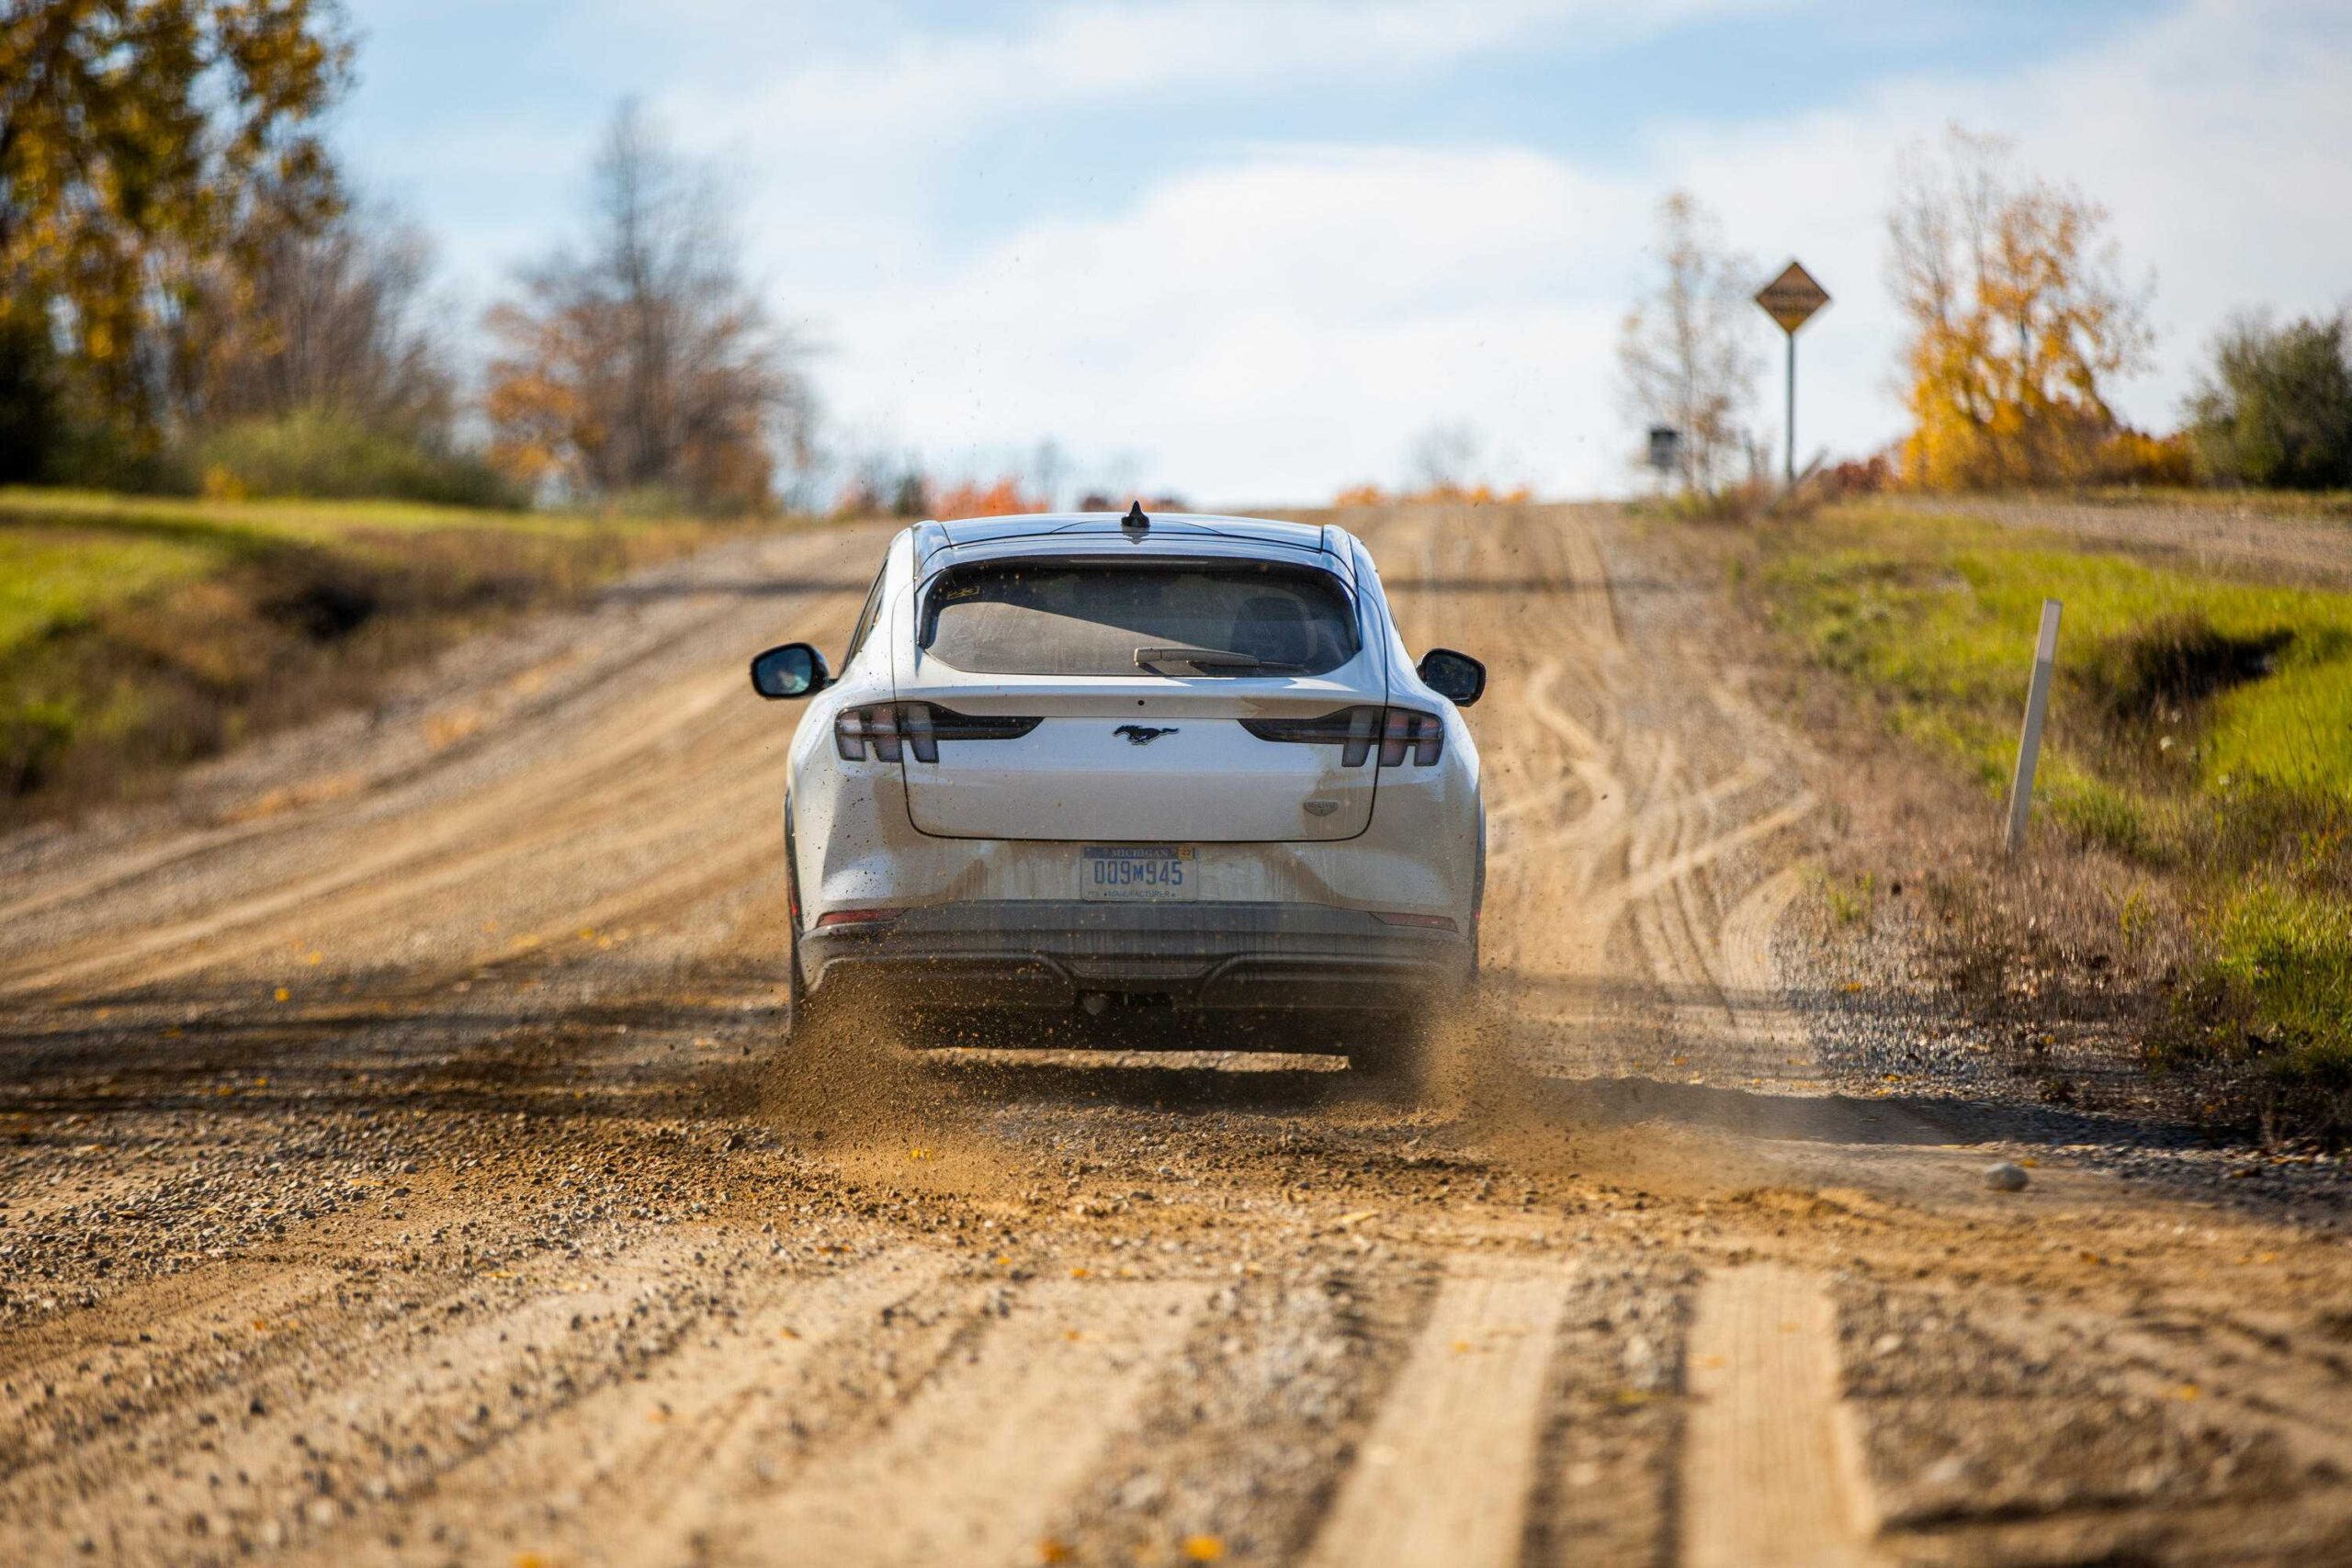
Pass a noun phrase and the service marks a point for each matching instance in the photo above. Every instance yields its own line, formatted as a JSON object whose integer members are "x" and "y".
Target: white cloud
{"x": 936, "y": 85}
{"x": 1265, "y": 329}
{"x": 846, "y": 148}
{"x": 1279, "y": 326}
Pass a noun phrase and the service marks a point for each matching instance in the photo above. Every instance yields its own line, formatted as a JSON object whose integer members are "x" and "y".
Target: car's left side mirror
{"x": 1457, "y": 677}
{"x": 795, "y": 669}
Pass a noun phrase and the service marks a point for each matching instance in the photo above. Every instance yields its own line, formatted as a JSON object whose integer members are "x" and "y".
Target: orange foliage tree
{"x": 971, "y": 499}
{"x": 2018, "y": 318}
{"x": 1479, "y": 493}
{"x": 645, "y": 363}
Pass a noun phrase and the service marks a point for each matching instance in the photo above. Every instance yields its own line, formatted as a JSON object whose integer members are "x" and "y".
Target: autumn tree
{"x": 140, "y": 141}
{"x": 1685, "y": 356}
{"x": 1002, "y": 498}
{"x": 338, "y": 324}
{"x": 641, "y": 361}
{"x": 2018, "y": 318}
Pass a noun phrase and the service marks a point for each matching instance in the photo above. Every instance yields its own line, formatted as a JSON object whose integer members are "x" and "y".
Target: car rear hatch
{"x": 1138, "y": 701}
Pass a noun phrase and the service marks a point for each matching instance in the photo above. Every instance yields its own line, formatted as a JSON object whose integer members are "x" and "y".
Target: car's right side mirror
{"x": 1457, "y": 677}
{"x": 795, "y": 670}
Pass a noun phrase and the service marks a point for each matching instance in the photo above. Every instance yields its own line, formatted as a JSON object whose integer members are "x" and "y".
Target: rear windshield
{"x": 1179, "y": 620}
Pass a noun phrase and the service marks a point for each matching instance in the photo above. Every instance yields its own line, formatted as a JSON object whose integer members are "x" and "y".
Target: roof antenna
{"x": 1134, "y": 519}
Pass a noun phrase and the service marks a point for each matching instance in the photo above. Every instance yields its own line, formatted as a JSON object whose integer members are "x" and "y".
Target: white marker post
{"x": 2037, "y": 703}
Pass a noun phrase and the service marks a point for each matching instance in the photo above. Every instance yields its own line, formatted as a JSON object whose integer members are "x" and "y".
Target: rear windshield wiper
{"x": 1209, "y": 657}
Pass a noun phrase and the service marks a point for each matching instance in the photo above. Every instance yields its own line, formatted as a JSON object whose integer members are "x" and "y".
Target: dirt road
{"x": 400, "y": 1165}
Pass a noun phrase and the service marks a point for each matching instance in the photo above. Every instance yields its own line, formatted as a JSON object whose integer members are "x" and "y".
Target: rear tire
{"x": 801, "y": 1005}
{"x": 800, "y": 1016}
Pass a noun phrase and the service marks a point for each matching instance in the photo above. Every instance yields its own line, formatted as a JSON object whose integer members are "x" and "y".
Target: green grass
{"x": 2201, "y": 728}
{"x": 66, "y": 556}
{"x": 2288, "y": 957}
{"x": 53, "y": 578}
{"x": 1941, "y": 614}
{"x": 2293, "y": 731}
{"x": 138, "y": 633}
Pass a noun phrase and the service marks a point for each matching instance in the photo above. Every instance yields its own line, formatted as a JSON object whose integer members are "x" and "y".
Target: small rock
{"x": 2004, "y": 1176}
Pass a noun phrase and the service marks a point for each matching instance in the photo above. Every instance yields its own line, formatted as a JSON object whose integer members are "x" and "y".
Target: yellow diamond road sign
{"x": 1791, "y": 298}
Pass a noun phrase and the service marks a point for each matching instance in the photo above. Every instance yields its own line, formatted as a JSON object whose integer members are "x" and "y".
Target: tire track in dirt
{"x": 631, "y": 1470}
{"x": 1767, "y": 1479}
{"x": 992, "y": 1443}
{"x": 1473, "y": 1384}
{"x": 226, "y": 1374}
{"x": 1625, "y": 874}
{"x": 1782, "y": 1049}
{"x": 463, "y": 846}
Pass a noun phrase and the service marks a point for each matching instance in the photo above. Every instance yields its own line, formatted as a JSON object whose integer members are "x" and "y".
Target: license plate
{"x": 1138, "y": 873}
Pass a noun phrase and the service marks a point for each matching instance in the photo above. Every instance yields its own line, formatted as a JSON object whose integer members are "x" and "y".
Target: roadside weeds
{"x": 2177, "y": 935}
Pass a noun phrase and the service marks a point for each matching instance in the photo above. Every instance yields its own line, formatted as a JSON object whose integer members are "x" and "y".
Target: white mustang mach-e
{"x": 1079, "y": 763}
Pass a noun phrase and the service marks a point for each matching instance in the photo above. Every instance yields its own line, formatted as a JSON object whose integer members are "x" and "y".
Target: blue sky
{"x": 1248, "y": 249}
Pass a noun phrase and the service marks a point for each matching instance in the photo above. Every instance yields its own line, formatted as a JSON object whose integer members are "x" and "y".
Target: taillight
{"x": 1404, "y": 730}
{"x": 1398, "y": 730}
{"x": 1352, "y": 730}
{"x": 858, "y": 918}
{"x": 920, "y": 727}
{"x": 855, "y": 730}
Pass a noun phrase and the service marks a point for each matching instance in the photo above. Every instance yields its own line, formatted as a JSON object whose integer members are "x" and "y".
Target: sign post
{"x": 1665, "y": 449}
{"x": 1791, "y": 300}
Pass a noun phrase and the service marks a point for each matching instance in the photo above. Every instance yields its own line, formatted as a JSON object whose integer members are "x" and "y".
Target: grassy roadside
{"x": 2320, "y": 506}
{"x": 2199, "y": 747}
{"x": 137, "y": 635}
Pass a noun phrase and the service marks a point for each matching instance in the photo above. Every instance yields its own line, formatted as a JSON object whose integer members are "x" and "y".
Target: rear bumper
{"x": 1045, "y": 954}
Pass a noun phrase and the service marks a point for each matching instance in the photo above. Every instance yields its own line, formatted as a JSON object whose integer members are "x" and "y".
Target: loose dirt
{"x": 402, "y": 1164}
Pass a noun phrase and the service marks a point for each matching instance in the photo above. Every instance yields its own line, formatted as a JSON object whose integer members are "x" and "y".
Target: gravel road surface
{"x": 399, "y": 1164}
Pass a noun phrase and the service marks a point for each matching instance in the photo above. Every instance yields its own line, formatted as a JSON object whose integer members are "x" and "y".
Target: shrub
{"x": 332, "y": 457}
{"x": 972, "y": 499}
{"x": 2282, "y": 973}
{"x": 2276, "y": 409}
{"x": 1853, "y": 476}
{"x": 2134, "y": 457}
{"x": 1443, "y": 492}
